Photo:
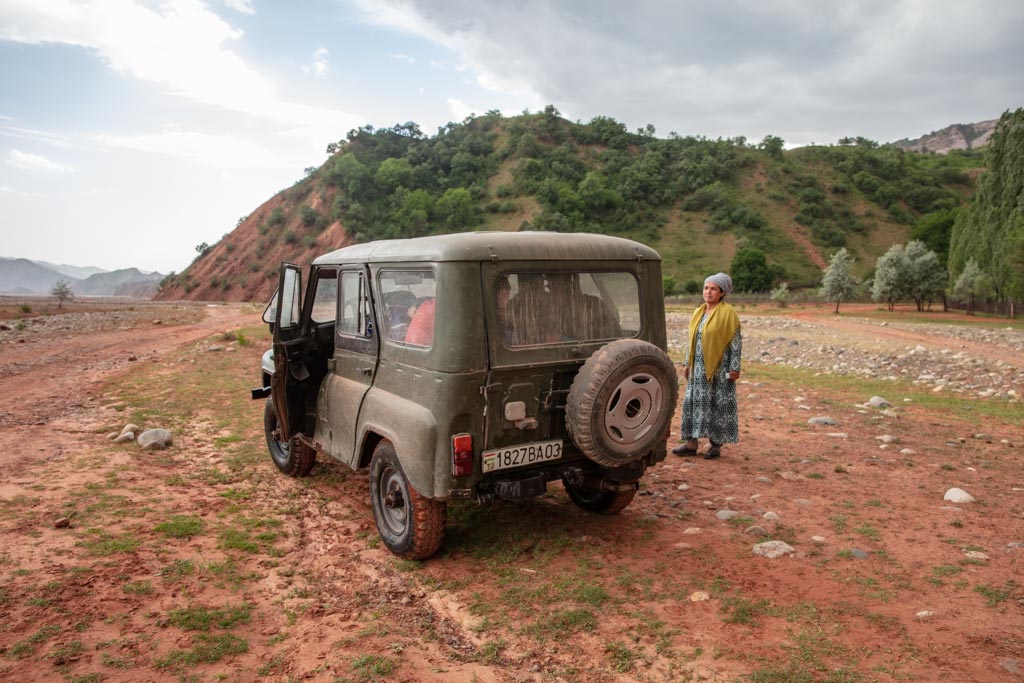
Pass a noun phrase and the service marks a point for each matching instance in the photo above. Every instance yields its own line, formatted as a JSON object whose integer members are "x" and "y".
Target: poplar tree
{"x": 838, "y": 283}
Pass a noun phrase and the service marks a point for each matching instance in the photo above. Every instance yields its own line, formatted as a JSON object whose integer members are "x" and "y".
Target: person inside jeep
{"x": 421, "y": 327}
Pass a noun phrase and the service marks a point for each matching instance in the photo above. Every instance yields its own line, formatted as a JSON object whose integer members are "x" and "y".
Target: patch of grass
{"x": 868, "y": 531}
{"x": 562, "y": 624}
{"x": 740, "y": 610}
{"x": 178, "y": 570}
{"x": 27, "y": 647}
{"x": 238, "y": 539}
{"x": 993, "y": 595}
{"x": 203, "y": 619}
{"x": 139, "y": 588}
{"x": 815, "y": 475}
{"x": 180, "y": 526}
{"x": 372, "y": 667}
{"x": 591, "y": 595}
{"x": 107, "y": 544}
{"x": 621, "y": 656}
{"x": 206, "y": 650}
{"x": 113, "y": 662}
{"x": 838, "y": 523}
{"x": 66, "y": 652}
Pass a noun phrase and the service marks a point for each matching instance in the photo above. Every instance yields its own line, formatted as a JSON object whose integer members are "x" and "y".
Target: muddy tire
{"x": 292, "y": 458}
{"x": 621, "y": 402}
{"x": 596, "y": 500}
{"x": 410, "y": 525}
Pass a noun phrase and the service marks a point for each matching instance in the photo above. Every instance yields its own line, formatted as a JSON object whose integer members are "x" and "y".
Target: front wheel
{"x": 598, "y": 500}
{"x": 410, "y": 525}
{"x": 292, "y": 458}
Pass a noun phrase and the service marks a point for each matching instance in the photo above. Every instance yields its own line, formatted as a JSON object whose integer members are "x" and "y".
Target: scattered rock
{"x": 976, "y": 555}
{"x": 215, "y": 348}
{"x": 683, "y": 487}
{"x": 802, "y": 501}
{"x": 764, "y": 480}
{"x": 878, "y": 402}
{"x": 1010, "y": 664}
{"x": 755, "y": 531}
{"x": 724, "y": 515}
{"x": 699, "y": 596}
{"x": 839, "y": 435}
{"x": 773, "y": 549}
{"x": 127, "y": 436}
{"x": 859, "y": 554}
{"x": 819, "y": 539}
{"x": 822, "y": 420}
{"x": 792, "y": 476}
{"x": 955, "y": 495}
{"x": 130, "y": 427}
{"x": 887, "y": 438}
{"x": 682, "y": 546}
{"x": 770, "y": 516}
{"x": 691, "y": 531}
{"x": 155, "y": 439}
{"x": 62, "y": 523}
{"x": 924, "y": 614}
{"x": 908, "y": 451}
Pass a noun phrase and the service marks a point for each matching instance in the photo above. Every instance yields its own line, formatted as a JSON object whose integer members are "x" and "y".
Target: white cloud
{"x": 18, "y": 193}
{"x": 398, "y": 57}
{"x": 210, "y": 150}
{"x": 182, "y": 46}
{"x": 460, "y": 110}
{"x": 34, "y": 162}
{"x": 43, "y": 136}
{"x": 319, "y": 68}
{"x": 241, "y": 6}
{"x": 802, "y": 69}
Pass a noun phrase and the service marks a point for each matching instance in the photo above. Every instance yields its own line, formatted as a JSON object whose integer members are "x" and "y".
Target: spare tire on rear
{"x": 621, "y": 402}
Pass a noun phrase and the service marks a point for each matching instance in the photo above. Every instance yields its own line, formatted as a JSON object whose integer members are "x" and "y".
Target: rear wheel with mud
{"x": 410, "y": 525}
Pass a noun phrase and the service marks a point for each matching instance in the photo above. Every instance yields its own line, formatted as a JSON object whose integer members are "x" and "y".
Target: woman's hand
{"x": 734, "y": 375}
{"x": 686, "y": 372}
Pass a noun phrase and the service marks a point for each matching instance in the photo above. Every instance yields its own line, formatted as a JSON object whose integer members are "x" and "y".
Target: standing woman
{"x": 711, "y": 369}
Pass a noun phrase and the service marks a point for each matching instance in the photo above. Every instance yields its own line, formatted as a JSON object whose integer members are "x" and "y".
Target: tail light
{"x": 462, "y": 455}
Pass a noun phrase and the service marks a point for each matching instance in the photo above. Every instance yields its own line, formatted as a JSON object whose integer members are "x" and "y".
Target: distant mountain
{"x": 124, "y": 282}
{"x": 21, "y": 276}
{"x": 77, "y": 272}
{"x": 958, "y": 136}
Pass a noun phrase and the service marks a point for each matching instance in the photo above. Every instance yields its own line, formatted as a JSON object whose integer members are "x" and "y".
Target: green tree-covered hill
{"x": 697, "y": 201}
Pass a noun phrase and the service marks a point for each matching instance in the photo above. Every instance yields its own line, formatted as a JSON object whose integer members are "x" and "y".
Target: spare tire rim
{"x": 634, "y": 409}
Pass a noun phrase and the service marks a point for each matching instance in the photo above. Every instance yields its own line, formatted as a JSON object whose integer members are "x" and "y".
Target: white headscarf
{"x": 720, "y": 280}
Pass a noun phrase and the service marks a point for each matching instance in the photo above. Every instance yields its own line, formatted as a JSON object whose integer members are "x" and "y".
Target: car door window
{"x": 325, "y": 298}
{"x": 354, "y": 314}
{"x": 409, "y": 298}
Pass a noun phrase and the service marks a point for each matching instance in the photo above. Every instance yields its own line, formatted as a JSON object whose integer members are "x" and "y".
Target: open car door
{"x": 289, "y": 365}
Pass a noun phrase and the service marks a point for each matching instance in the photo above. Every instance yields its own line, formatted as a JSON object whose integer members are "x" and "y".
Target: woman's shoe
{"x": 713, "y": 452}
{"x": 683, "y": 449}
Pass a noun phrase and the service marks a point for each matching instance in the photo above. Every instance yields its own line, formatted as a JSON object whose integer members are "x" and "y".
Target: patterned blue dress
{"x": 709, "y": 409}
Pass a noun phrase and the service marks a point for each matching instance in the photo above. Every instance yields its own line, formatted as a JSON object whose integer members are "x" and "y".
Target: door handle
{"x": 366, "y": 371}
{"x": 331, "y": 364}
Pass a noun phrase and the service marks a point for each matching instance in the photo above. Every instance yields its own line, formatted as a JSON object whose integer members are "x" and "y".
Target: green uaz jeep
{"x": 479, "y": 365}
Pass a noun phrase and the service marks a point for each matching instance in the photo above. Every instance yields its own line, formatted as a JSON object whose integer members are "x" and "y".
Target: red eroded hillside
{"x": 244, "y": 265}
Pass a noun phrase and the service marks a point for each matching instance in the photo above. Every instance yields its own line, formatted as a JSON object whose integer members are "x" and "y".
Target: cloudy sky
{"x": 133, "y": 130}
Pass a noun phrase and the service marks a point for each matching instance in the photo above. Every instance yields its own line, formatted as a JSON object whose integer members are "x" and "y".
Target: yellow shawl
{"x": 721, "y": 327}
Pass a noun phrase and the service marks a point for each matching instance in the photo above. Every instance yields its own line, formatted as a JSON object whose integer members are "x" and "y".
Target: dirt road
{"x": 202, "y": 562}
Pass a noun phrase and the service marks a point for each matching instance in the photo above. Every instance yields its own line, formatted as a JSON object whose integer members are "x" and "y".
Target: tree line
{"x": 984, "y": 239}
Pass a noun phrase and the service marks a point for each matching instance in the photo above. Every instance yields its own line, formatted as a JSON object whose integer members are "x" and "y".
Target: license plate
{"x": 523, "y": 454}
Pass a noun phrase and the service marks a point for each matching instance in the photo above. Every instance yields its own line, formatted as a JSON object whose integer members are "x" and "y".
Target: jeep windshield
{"x": 538, "y": 308}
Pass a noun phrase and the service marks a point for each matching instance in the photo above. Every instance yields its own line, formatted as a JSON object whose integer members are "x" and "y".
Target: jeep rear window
{"x": 409, "y": 298}
{"x": 554, "y": 308}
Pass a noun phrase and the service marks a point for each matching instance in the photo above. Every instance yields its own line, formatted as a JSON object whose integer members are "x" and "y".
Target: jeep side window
{"x": 325, "y": 298}
{"x": 354, "y": 313}
{"x": 558, "y": 307}
{"x": 290, "y": 299}
{"x": 409, "y": 305}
